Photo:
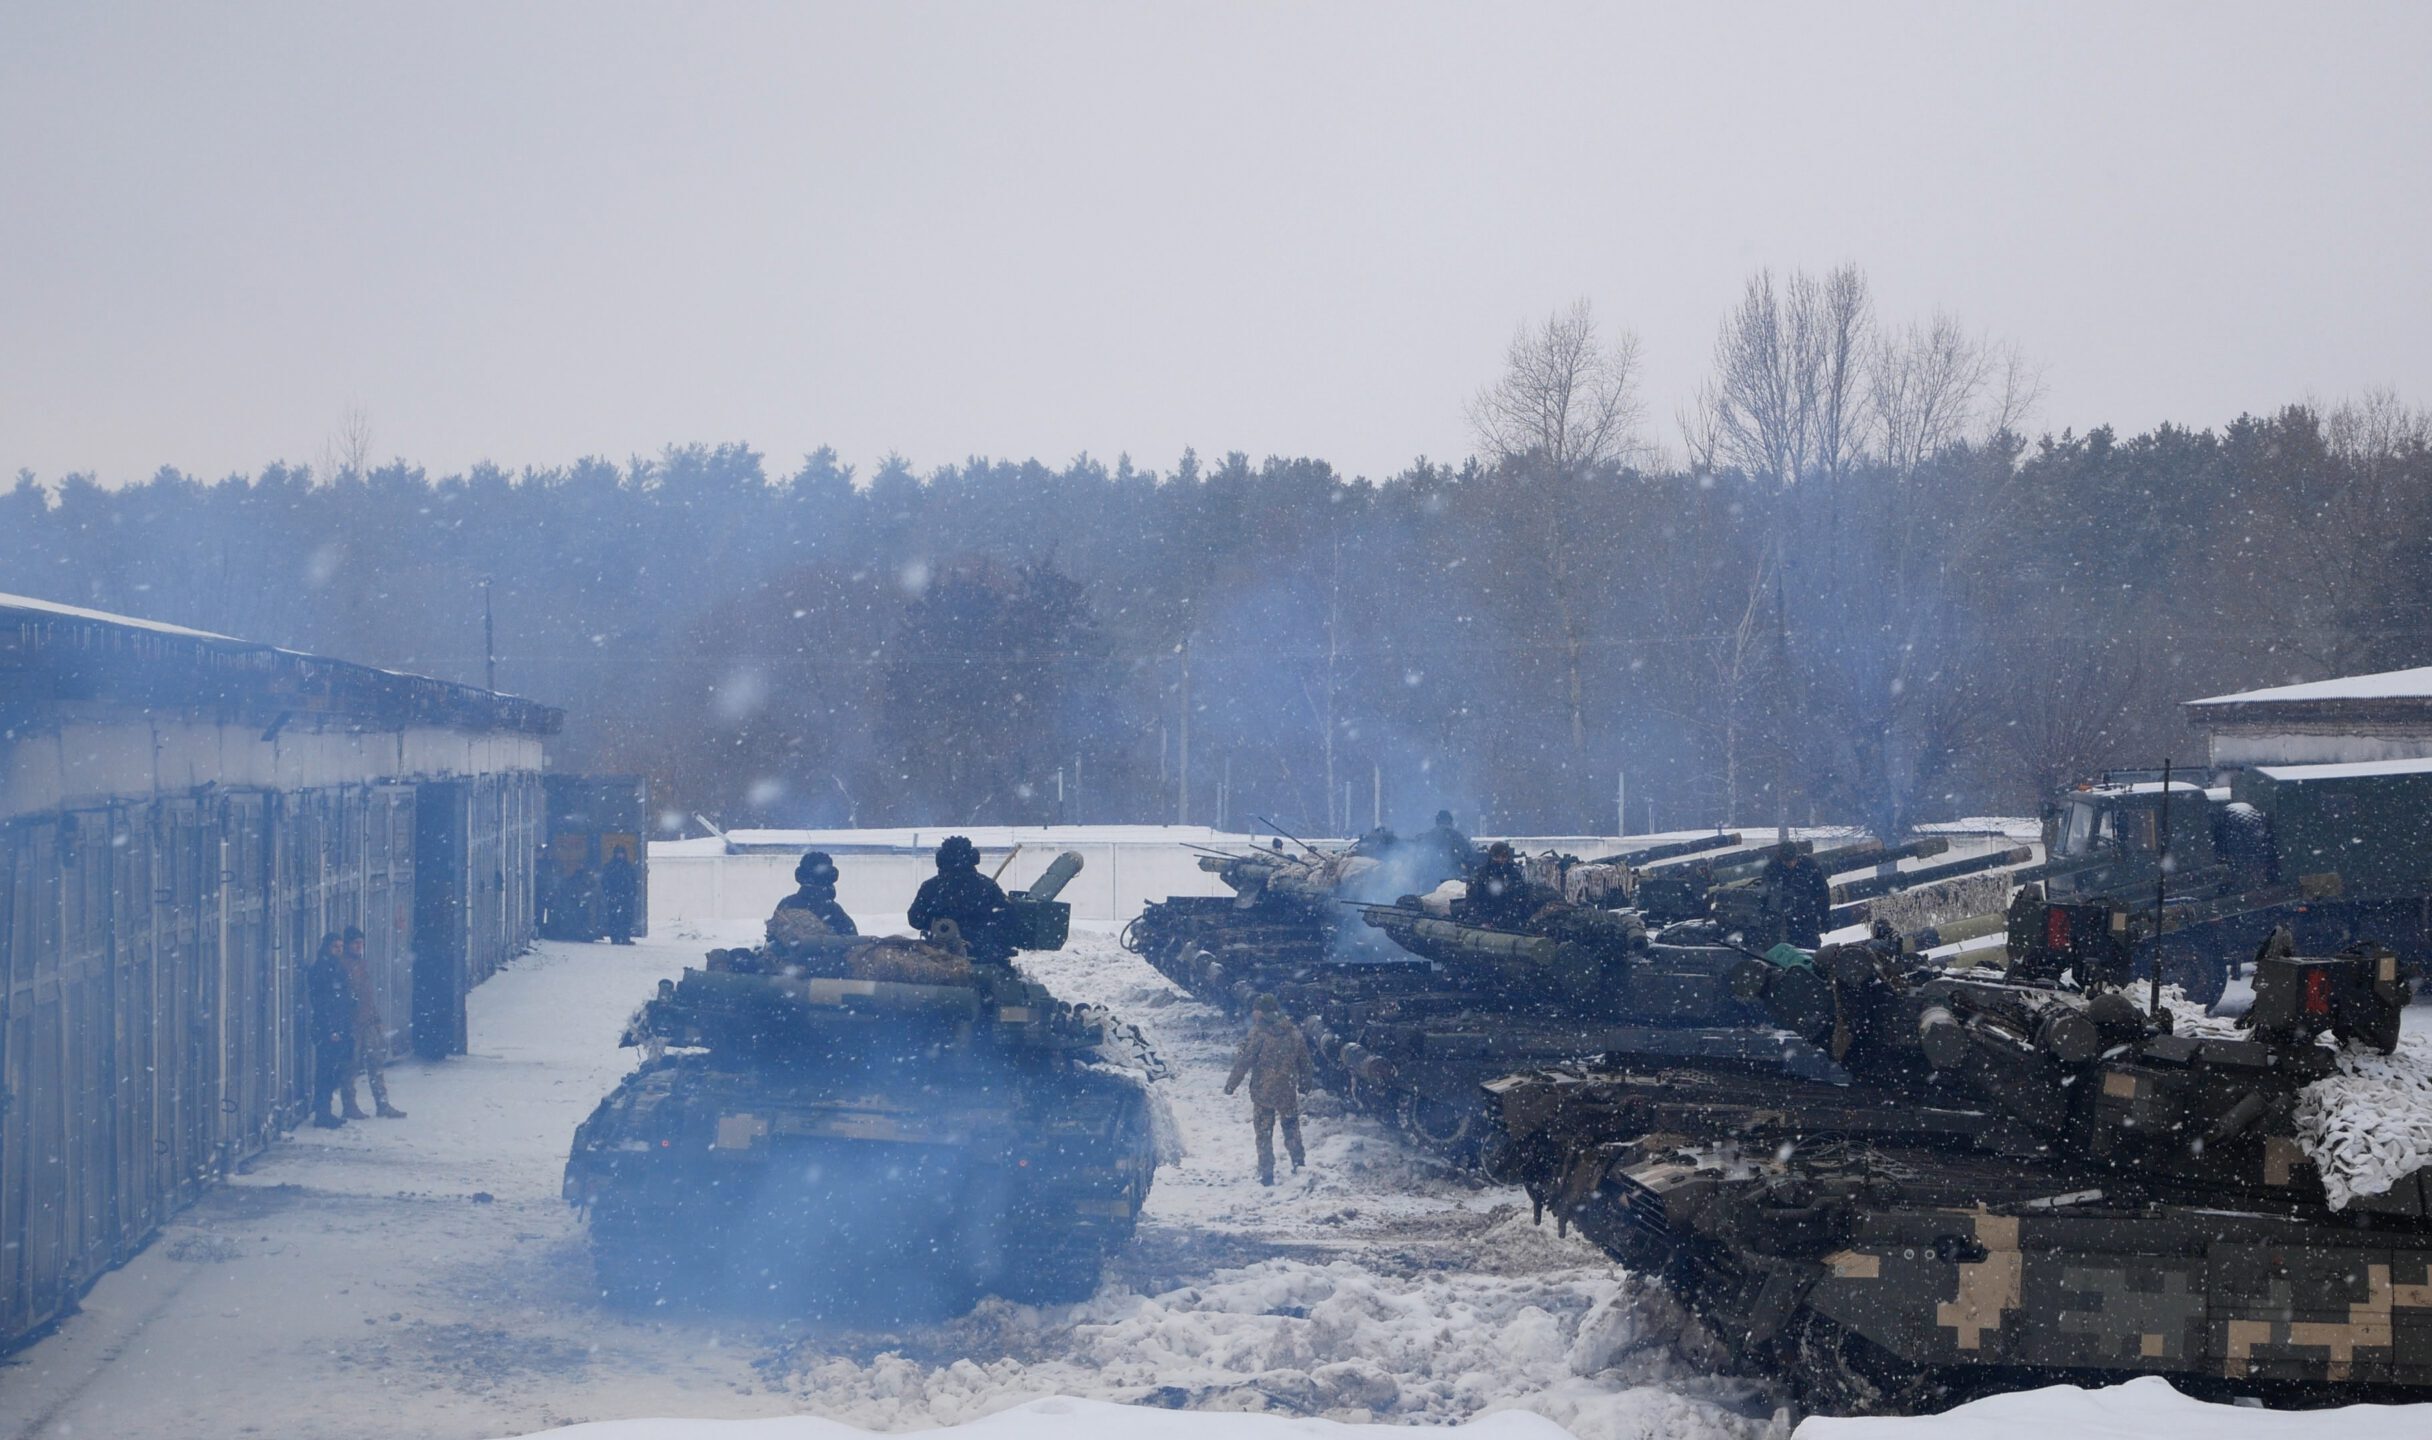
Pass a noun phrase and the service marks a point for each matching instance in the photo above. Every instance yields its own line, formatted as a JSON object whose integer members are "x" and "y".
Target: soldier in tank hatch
{"x": 975, "y": 903}
{"x": 815, "y": 891}
{"x": 1798, "y": 893}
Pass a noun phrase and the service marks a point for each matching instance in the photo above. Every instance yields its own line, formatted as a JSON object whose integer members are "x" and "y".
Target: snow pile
{"x": 2143, "y": 1408}
{"x": 1058, "y": 1418}
{"x": 2369, "y": 1126}
{"x": 1585, "y": 1348}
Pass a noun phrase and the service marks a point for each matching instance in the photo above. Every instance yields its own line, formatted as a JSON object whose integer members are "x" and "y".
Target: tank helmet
{"x": 815, "y": 866}
{"x": 1444, "y": 818}
{"x": 1500, "y": 850}
{"x": 958, "y": 853}
{"x": 1267, "y": 1005}
{"x": 1786, "y": 851}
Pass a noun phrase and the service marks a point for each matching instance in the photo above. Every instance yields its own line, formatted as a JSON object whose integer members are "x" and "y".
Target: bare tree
{"x": 1566, "y": 407}
{"x": 1933, "y": 385}
{"x": 1567, "y": 403}
{"x": 348, "y": 449}
{"x": 1787, "y": 396}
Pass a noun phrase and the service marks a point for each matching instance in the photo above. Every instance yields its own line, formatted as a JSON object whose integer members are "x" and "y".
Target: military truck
{"x": 858, "y": 1126}
{"x": 2336, "y": 853}
{"x": 2017, "y": 1185}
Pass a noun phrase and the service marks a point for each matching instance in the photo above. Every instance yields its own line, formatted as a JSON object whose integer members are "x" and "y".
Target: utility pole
{"x": 1376, "y": 796}
{"x": 1182, "y": 748}
{"x": 489, "y": 641}
{"x": 1621, "y": 801}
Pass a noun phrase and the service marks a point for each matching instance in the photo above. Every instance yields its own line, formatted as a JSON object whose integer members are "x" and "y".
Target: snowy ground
{"x": 422, "y": 1277}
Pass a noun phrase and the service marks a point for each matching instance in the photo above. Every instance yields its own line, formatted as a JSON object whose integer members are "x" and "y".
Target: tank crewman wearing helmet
{"x": 815, "y": 891}
{"x": 1498, "y": 892}
{"x": 1798, "y": 894}
{"x": 960, "y": 893}
{"x": 1275, "y": 1058}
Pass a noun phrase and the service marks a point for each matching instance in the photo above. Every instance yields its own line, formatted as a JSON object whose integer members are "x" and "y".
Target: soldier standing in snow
{"x": 333, "y": 1030}
{"x": 1276, "y": 1059}
{"x": 619, "y": 882}
{"x": 371, "y": 1034}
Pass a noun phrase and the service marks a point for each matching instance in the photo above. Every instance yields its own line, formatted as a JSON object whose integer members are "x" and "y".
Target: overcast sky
{"x": 532, "y": 232}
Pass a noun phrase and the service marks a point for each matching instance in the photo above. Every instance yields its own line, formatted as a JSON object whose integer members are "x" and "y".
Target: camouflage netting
{"x": 801, "y": 942}
{"x": 1942, "y": 903}
{"x": 2369, "y": 1126}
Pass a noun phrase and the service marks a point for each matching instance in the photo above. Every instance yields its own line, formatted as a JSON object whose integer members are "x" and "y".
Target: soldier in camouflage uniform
{"x": 1275, "y": 1058}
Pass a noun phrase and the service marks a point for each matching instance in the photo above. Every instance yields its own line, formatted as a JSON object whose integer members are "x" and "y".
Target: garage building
{"x": 182, "y": 816}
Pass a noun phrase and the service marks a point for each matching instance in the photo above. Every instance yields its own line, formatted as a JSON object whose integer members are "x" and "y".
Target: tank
{"x": 1285, "y": 922}
{"x": 867, "y": 1126}
{"x": 1575, "y": 982}
{"x": 2018, "y": 1184}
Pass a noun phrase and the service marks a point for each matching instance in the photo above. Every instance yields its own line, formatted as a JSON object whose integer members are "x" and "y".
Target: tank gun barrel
{"x": 1670, "y": 850}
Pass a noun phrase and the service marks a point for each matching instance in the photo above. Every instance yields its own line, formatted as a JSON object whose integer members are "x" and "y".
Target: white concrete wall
{"x": 91, "y": 762}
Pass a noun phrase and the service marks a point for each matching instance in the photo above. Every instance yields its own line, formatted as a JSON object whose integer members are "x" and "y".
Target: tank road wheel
{"x": 1448, "y": 1126}
{"x": 1837, "y": 1373}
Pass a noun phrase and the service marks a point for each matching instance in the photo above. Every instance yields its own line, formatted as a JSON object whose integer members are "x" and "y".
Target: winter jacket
{"x": 367, "y": 996}
{"x": 333, "y": 1000}
{"x": 976, "y": 906}
{"x": 1499, "y": 895}
{"x": 821, "y": 901}
{"x": 1276, "y": 1058}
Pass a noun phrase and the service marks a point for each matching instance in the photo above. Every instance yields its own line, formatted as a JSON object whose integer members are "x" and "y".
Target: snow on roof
{"x": 2413, "y": 684}
{"x": 77, "y": 612}
{"x": 2353, "y": 770}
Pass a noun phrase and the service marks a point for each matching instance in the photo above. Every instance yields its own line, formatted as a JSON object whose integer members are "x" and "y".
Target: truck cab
{"x": 2105, "y": 839}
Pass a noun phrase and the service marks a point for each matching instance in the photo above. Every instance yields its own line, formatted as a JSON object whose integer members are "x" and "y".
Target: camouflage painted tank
{"x": 839, "y": 1125}
{"x": 2019, "y": 1184}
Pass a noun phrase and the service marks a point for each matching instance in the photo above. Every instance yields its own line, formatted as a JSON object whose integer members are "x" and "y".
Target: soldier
{"x": 619, "y": 884}
{"x": 1499, "y": 893}
{"x": 1276, "y": 1059}
{"x": 333, "y": 1029}
{"x": 371, "y": 1035}
{"x": 815, "y": 891}
{"x": 1448, "y": 851}
{"x": 960, "y": 893}
{"x": 1799, "y": 894}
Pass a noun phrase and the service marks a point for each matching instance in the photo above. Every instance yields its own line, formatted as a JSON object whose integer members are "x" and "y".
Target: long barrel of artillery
{"x": 1672, "y": 850}
{"x": 1834, "y": 864}
{"x": 1874, "y": 885}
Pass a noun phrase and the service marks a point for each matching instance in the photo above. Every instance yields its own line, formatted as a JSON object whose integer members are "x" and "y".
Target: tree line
{"x": 1855, "y": 592}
